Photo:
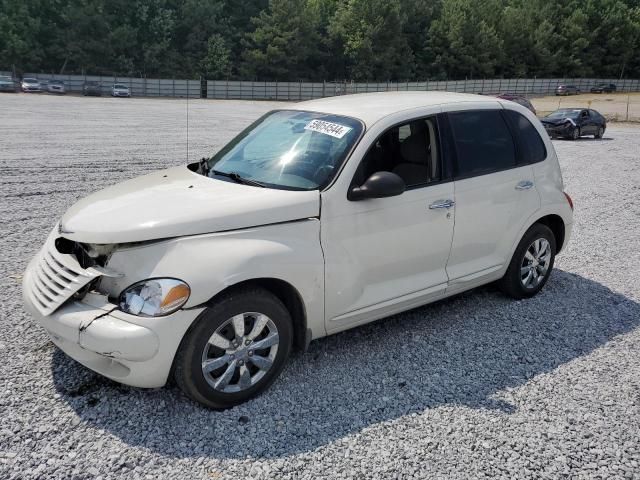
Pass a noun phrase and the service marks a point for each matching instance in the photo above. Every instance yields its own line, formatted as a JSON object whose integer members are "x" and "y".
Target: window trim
{"x": 454, "y": 154}
{"x": 445, "y": 176}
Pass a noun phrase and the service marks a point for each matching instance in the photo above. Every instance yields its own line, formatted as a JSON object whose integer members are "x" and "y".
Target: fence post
{"x": 628, "y": 100}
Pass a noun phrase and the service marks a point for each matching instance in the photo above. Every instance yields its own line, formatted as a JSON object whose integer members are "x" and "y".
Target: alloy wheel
{"x": 240, "y": 352}
{"x": 535, "y": 264}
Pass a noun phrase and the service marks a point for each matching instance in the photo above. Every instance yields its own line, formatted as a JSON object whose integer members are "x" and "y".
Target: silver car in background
{"x": 31, "y": 85}
{"x": 56, "y": 86}
{"x": 120, "y": 90}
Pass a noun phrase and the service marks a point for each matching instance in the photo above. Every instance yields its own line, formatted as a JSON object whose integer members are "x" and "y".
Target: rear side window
{"x": 483, "y": 142}
{"x": 531, "y": 147}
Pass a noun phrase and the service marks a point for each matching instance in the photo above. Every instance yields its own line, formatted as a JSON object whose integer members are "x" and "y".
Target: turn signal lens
{"x": 155, "y": 297}
{"x": 569, "y": 200}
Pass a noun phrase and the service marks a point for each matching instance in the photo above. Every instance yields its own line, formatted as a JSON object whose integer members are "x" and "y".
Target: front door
{"x": 388, "y": 254}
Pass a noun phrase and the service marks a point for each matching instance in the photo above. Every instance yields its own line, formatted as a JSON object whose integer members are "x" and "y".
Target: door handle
{"x": 524, "y": 185}
{"x": 442, "y": 204}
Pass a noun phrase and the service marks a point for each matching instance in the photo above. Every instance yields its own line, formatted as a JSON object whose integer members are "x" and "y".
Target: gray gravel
{"x": 478, "y": 386}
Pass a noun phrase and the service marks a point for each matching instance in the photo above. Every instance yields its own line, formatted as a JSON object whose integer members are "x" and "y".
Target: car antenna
{"x": 187, "y": 124}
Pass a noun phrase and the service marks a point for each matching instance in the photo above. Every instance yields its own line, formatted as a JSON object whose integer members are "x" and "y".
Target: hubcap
{"x": 240, "y": 352}
{"x": 535, "y": 264}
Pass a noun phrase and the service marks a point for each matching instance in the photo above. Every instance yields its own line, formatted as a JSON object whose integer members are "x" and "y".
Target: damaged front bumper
{"x": 132, "y": 350}
{"x": 562, "y": 130}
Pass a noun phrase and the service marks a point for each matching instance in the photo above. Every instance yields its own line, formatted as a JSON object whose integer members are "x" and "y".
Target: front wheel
{"x": 235, "y": 349}
{"x": 531, "y": 264}
{"x": 575, "y": 134}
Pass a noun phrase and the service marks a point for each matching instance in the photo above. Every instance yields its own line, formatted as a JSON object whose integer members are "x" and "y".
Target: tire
{"x": 254, "y": 304}
{"x": 575, "y": 133}
{"x": 600, "y": 133}
{"x": 514, "y": 283}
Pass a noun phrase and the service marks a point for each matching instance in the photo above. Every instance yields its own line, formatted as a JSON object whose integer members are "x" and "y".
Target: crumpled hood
{"x": 557, "y": 121}
{"x": 178, "y": 202}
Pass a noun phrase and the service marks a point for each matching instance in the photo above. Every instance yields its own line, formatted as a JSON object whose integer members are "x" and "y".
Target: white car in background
{"x": 31, "y": 85}
{"x": 120, "y": 90}
{"x": 56, "y": 86}
{"x": 318, "y": 217}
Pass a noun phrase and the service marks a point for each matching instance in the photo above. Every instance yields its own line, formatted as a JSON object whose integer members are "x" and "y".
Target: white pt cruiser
{"x": 318, "y": 217}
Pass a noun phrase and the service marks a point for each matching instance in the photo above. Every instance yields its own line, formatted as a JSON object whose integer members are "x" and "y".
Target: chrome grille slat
{"x": 55, "y": 277}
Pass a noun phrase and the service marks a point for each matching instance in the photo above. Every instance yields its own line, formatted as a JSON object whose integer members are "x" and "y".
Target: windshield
{"x": 30, "y": 80}
{"x": 5, "y": 79}
{"x": 289, "y": 149}
{"x": 55, "y": 82}
{"x": 565, "y": 114}
{"x": 119, "y": 86}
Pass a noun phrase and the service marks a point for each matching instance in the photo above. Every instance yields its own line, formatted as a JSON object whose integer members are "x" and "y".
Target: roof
{"x": 371, "y": 107}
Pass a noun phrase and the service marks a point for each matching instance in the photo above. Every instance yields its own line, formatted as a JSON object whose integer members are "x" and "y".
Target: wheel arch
{"x": 556, "y": 225}
{"x": 288, "y": 295}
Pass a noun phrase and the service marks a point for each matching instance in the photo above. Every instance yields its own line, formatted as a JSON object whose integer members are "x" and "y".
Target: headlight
{"x": 154, "y": 297}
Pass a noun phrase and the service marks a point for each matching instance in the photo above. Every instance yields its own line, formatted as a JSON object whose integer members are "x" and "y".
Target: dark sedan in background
{"x": 573, "y": 123}
{"x": 567, "y": 90}
{"x": 604, "y": 88}
{"x": 93, "y": 88}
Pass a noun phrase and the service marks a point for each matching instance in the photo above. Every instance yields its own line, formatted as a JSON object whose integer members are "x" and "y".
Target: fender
{"x": 211, "y": 263}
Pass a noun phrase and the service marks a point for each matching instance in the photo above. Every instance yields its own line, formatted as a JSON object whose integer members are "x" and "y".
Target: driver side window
{"x": 409, "y": 150}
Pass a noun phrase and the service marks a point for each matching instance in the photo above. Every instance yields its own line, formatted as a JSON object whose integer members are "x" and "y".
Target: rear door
{"x": 494, "y": 192}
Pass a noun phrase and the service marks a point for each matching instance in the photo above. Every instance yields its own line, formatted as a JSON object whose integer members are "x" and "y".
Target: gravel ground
{"x": 478, "y": 386}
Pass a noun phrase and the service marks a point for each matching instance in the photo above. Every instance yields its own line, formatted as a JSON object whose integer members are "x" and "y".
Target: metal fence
{"x": 294, "y": 91}
{"x": 139, "y": 87}
{"x": 306, "y": 91}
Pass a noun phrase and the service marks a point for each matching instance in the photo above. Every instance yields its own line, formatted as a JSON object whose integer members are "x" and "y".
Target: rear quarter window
{"x": 531, "y": 148}
{"x": 483, "y": 142}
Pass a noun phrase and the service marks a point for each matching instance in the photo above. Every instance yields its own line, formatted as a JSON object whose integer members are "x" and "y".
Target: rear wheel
{"x": 235, "y": 349}
{"x": 599, "y": 133}
{"x": 531, "y": 264}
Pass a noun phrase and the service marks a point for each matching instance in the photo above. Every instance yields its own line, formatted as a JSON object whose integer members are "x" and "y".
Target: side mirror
{"x": 378, "y": 185}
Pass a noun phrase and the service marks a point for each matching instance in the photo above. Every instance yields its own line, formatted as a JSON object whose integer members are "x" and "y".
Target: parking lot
{"x": 477, "y": 386}
{"x": 614, "y": 106}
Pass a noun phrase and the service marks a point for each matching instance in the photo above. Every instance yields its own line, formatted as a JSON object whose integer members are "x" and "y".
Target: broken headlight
{"x": 154, "y": 297}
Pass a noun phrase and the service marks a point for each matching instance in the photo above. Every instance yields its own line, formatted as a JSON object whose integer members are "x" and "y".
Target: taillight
{"x": 569, "y": 200}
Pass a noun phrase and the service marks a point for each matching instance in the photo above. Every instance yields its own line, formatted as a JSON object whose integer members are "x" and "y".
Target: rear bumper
{"x": 132, "y": 350}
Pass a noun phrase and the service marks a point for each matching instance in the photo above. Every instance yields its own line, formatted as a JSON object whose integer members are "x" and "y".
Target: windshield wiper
{"x": 238, "y": 178}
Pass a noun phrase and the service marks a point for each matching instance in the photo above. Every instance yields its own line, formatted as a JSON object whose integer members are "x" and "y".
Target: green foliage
{"x": 374, "y": 40}
{"x": 217, "y": 62}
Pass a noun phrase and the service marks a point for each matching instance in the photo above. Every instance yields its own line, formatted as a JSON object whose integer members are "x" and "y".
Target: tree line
{"x": 365, "y": 40}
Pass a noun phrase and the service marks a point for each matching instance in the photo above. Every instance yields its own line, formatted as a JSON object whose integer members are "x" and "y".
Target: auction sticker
{"x": 334, "y": 129}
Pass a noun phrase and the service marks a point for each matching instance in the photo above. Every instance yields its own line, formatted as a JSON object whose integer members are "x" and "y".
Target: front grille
{"x": 55, "y": 277}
